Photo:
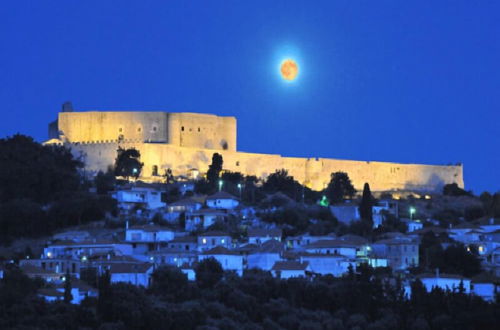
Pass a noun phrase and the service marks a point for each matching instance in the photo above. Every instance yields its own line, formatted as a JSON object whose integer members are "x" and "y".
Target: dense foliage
{"x": 254, "y": 301}
{"x": 29, "y": 170}
{"x": 42, "y": 190}
{"x": 340, "y": 187}
{"x": 127, "y": 163}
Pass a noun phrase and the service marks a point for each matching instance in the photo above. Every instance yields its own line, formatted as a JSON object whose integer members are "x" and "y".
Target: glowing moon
{"x": 289, "y": 69}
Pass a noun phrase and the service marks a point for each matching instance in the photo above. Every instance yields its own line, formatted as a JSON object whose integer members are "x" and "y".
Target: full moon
{"x": 289, "y": 69}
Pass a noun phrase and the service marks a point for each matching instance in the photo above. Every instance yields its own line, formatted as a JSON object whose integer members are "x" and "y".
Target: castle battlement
{"x": 186, "y": 141}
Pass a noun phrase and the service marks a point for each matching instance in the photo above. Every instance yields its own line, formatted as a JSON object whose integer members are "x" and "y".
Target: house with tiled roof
{"x": 222, "y": 200}
{"x": 261, "y": 235}
{"x": 401, "y": 252}
{"x": 229, "y": 259}
{"x": 328, "y": 264}
{"x": 264, "y": 256}
{"x": 138, "y": 274}
{"x": 77, "y": 250}
{"x": 333, "y": 246}
{"x": 211, "y": 239}
{"x": 36, "y": 272}
{"x": 204, "y": 218}
{"x": 290, "y": 268}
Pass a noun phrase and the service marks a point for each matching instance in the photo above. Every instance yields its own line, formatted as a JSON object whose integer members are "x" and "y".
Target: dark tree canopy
{"x": 208, "y": 273}
{"x": 127, "y": 163}
{"x": 366, "y": 204}
{"x": 340, "y": 187}
{"x": 36, "y": 172}
{"x": 452, "y": 189}
{"x": 214, "y": 169}
{"x": 105, "y": 182}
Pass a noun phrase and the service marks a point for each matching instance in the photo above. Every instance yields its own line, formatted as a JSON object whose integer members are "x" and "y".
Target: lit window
{"x": 222, "y": 241}
{"x": 481, "y": 249}
{"x": 204, "y": 241}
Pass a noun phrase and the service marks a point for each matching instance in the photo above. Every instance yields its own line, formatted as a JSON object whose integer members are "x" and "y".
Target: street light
{"x": 220, "y": 184}
{"x": 239, "y": 188}
{"x": 412, "y": 212}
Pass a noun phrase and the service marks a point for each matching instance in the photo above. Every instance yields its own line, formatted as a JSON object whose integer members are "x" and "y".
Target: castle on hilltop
{"x": 185, "y": 143}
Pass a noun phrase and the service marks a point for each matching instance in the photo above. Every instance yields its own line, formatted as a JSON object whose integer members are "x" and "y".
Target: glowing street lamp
{"x": 412, "y": 212}
{"x": 239, "y": 188}
{"x": 220, "y": 184}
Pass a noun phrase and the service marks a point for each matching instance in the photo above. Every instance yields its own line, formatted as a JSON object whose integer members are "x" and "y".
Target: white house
{"x": 222, "y": 200}
{"x": 444, "y": 281}
{"x": 186, "y": 243}
{"x": 211, "y": 239}
{"x": 266, "y": 255}
{"x": 333, "y": 264}
{"x": 229, "y": 260}
{"x": 185, "y": 205}
{"x": 401, "y": 251}
{"x": 259, "y": 235}
{"x": 301, "y": 241}
{"x": 203, "y": 218}
{"x": 413, "y": 225}
{"x": 138, "y": 274}
{"x": 173, "y": 256}
{"x": 77, "y": 250}
{"x": 288, "y": 269}
{"x": 148, "y": 198}
{"x": 333, "y": 246}
{"x": 149, "y": 233}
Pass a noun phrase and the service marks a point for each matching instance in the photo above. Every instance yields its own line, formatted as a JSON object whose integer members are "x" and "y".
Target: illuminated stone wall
{"x": 179, "y": 129}
{"x": 314, "y": 172}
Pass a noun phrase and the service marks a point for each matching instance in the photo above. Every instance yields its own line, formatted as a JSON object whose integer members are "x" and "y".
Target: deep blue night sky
{"x": 397, "y": 81}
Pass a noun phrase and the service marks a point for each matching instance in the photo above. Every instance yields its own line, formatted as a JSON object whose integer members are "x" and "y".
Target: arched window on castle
{"x": 154, "y": 172}
{"x": 182, "y": 128}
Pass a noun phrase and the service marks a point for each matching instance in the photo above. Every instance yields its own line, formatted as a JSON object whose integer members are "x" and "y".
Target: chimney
{"x": 126, "y": 224}
{"x": 437, "y": 272}
{"x": 492, "y": 221}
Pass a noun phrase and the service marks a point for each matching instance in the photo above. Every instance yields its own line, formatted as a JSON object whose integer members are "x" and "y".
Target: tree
{"x": 105, "y": 182}
{"x": 68, "y": 297}
{"x": 169, "y": 281}
{"x": 208, "y": 273}
{"x": 127, "y": 163}
{"x": 29, "y": 170}
{"x": 340, "y": 187}
{"x": 366, "y": 205}
{"x": 452, "y": 189}
{"x": 214, "y": 170}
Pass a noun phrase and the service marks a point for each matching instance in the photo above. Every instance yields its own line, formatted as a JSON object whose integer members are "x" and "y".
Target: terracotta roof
{"x": 96, "y": 242}
{"x": 435, "y": 230}
{"x": 329, "y": 243}
{"x": 33, "y": 270}
{"x": 396, "y": 241}
{"x": 214, "y": 233}
{"x": 128, "y": 268}
{"x": 290, "y": 265}
{"x": 220, "y": 250}
{"x": 261, "y": 232}
{"x": 356, "y": 239}
{"x": 185, "y": 202}
{"x": 270, "y": 246}
{"x": 322, "y": 255}
{"x": 150, "y": 228}
{"x": 184, "y": 239}
{"x": 221, "y": 195}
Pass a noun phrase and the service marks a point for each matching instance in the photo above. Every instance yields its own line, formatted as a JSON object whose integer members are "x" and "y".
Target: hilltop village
{"x": 231, "y": 241}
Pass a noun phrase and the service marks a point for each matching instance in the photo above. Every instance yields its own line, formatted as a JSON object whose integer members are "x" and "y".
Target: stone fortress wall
{"x": 185, "y": 142}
